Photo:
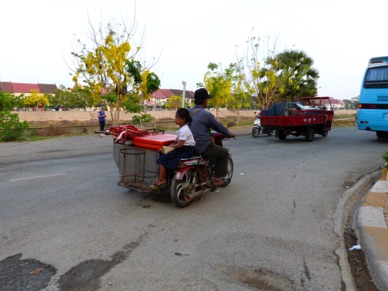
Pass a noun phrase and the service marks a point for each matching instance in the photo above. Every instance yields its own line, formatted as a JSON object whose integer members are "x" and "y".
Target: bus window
{"x": 376, "y": 77}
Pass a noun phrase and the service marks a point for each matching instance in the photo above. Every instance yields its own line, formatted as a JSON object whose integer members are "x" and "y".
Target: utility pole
{"x": 184, "y": 93}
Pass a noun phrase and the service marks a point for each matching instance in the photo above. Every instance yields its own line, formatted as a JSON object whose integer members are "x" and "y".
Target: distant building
{"x": 27, "y": 88}
{"x": 160, "y": 97}
{"x": 337, "y": 104}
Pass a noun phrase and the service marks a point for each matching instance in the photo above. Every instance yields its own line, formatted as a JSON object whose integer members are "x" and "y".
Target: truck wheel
{"x": 267, "y": 131}
{"x": 256, "y": 131}
{"x": 324, "y": 132}
{"x": 310, "y": 134}
{"x": 281, "y": 134}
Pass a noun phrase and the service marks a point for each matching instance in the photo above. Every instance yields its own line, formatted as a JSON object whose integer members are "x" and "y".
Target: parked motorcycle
{"x": 194, "y": 176}
{"x": 257, "y": 128}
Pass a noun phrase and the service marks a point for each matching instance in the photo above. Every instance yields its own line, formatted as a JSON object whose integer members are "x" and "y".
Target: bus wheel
{"x": 382, "y": 134}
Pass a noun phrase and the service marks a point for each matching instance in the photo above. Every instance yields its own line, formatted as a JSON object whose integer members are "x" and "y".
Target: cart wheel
{"x": 180, "y": 188}
{"x": 281, "y": 135}
{"x": 229, "y": 172}
{"x": 324, "y": 132}
{"x": 310, "y": 134}
{"x": 256, "y": 131}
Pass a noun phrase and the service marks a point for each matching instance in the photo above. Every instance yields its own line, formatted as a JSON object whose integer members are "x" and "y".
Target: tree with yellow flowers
{"x": 111, "y": 72}
{"x": 175, "y": 102}
{"x": 36, "y": 99}
{"x": 219, "y": 85}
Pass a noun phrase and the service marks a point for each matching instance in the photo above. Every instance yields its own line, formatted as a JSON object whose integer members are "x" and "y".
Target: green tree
{"x": 36, "y": 99}
{"x": 150, "y": 83}
{"x": 218, "y": 82}
{"x": 258, "y": 78}
{"x": 242, "y": 96}
{"x": 110, "y": 68}
{"x": 295, "y": 74}
{"x": 6, "y": 101}
{"x": 174, "y": 102}
{"x": 77, "y": 97}
{"x": 18, "y": 100}
{"x": 11, "y": 129}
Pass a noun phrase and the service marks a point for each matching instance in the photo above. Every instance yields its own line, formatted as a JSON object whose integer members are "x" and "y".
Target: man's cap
{"x": 201, "y": 95}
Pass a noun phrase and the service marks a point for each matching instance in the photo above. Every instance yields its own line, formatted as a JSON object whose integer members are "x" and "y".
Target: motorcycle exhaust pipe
{"x": 195, "y": 195}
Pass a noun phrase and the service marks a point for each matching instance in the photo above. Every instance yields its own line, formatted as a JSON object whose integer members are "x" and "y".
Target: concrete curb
{"x": 373, "y": 231}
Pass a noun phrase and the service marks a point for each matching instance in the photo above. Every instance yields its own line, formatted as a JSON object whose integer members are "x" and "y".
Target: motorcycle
{"x": 194, "y": 176}
{"x": 257, "y": 129}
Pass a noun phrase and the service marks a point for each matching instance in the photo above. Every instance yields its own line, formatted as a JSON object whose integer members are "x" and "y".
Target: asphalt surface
{"x": 371, "y": 216}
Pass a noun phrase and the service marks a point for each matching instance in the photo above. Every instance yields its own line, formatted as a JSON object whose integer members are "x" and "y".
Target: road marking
{"x": 37, "y": 177}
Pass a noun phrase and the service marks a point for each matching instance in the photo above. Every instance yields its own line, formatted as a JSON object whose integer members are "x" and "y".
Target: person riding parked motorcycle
{"x": 203, "y": 122}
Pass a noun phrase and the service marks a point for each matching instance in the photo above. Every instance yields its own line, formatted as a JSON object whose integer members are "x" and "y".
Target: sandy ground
{"x": 92, "y": 115}
{"x": 36, "y": 116}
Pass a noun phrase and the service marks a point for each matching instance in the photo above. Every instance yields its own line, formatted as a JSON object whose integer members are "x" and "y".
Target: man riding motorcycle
{"x": 203, "y": 122}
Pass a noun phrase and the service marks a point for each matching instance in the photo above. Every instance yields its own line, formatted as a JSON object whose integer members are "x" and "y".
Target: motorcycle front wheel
{"x": 180, "y": 189}
{"x": 229, "y": 172}
{"x": 256, "y": 131}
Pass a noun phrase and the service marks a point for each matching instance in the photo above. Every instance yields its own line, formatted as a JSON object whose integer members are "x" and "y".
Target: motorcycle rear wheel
{"x": 180, "y": 188}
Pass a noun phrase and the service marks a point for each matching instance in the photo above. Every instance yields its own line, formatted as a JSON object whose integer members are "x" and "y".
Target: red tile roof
{"x": 6, "y": 87}
{"x": 48, "y": 88}
{"x": 167, "y": 93}
{"x": 158, "y": 94}
{"x": 20, "y": 88}
{"x": 24, "y": 87}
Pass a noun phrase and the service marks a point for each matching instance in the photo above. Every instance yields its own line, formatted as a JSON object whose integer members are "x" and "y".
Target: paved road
{"x": 278, "y": 225}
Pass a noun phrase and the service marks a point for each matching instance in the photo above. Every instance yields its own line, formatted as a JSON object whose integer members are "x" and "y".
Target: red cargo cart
{"x": 306, "y": 117}
{"x": 135, "y": 152}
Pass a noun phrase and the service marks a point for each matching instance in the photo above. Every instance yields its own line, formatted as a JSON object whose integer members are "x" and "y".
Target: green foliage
{"x": 134, "y": 70}
{"x": 144, "y": 118}
{"x": 153, "y": 83}
{"x": 36, "y": 99}
{"x": 132, "y": 104}
{"x": 296, "y": 76}
{"x": 175, "y": 102}
{"x": 76, "y": 98}
{"x": 11, "y": 129}
{"x": 18, "y": 100}
{"x": 6, "y": 101}
{"x": 219, "y": 84}
{"x": 385, "y": 158}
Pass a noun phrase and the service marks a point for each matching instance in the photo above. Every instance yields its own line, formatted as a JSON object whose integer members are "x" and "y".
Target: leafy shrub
{"x": 385, "y": 157}
{"x": 144, "y": 118}
{"x": 11, "y": 129}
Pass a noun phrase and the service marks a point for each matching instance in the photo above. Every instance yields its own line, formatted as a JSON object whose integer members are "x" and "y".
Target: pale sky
{"x": 37, "y": 37}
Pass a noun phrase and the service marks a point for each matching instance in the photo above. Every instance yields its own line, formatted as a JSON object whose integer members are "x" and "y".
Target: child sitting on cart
{"x": 183, "y": 148}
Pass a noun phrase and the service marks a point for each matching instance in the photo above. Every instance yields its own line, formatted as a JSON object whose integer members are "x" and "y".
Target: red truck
{"x": 306, "y": 117}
